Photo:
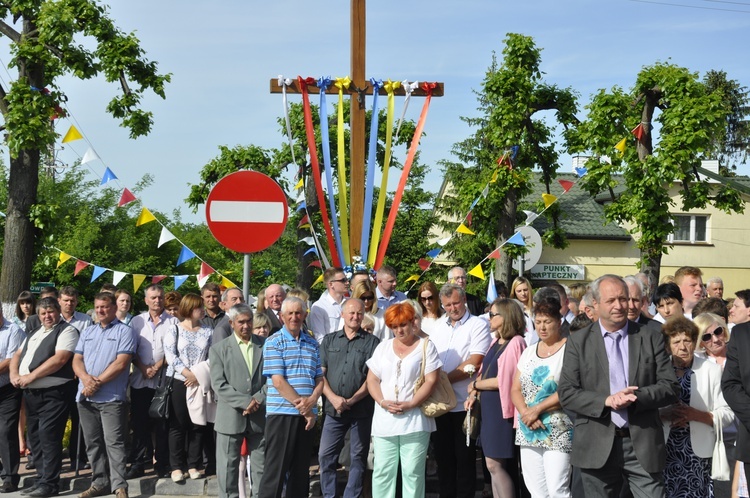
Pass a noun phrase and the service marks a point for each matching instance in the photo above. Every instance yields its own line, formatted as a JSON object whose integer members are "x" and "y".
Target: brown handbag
{"x": 443, "y": 399}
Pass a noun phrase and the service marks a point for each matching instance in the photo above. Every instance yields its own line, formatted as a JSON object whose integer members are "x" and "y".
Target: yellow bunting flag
{"x": 413, "y": 277}
{"x": 227, "y": 283}
{"x": 464, "y": 229}
{"x": 318, "y": 280}
{"x": 72, "y": 135}
{"x": 63, "y": 258}
{"x": 548, "y": 199}
{"x": 477, "y": 271}
{"x": 144, "y": 217}
{"x": 494, "y": 177}
{"x": 299, "y": 185}
{"x": 137, "y": 281}
{"x": 621, "y": 146}
{"x": 306, "y": 225}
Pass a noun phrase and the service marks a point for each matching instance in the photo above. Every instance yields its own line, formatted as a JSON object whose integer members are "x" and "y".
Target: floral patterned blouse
{"x": 539, "y": 378}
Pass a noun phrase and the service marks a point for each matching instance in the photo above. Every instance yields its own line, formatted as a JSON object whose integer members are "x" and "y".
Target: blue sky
{"x": 223, "y": 54}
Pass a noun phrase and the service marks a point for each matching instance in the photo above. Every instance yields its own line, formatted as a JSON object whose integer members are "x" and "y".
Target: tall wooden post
{"x": 357, "y": 114}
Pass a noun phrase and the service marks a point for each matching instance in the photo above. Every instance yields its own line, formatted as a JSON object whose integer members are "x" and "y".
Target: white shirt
{"x": 325, "y": 315}
{"x": 66, "y": 341}
{"x": 149, "y": 345}
{"x": 471, "y": 335}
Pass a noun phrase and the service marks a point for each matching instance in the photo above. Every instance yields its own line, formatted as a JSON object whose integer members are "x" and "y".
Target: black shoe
{"x": 162, "y": 473}
{"x": 30, "y": 466}
{"x": 134, "y": 472}
{"x": 8, "y": 487}
{"x": 31, "y": 488}
{"x": 43, "y": 491}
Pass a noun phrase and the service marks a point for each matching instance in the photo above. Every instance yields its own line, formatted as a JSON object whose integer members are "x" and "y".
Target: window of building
{"x": 689, "y": 229}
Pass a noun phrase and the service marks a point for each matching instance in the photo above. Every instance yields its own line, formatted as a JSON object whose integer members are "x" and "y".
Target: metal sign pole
{"x": 246, "y": 278}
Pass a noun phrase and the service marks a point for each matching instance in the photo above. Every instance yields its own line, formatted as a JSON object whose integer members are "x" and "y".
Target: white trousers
{"x": 546, "y": 472}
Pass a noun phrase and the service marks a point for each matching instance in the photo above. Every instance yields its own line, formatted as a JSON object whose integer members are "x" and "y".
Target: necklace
{"x": 550, "y": 349}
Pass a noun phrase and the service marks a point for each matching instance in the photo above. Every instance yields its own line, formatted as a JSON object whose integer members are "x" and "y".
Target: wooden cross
{"x": 357, "y": 121}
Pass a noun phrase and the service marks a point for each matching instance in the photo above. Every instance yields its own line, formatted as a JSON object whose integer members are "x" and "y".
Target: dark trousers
{"x": 47, "y": 410}
{"x": 185, "y": 438}
{"x": 288, "y": 448}
{"x": 76, "y": 446}
{"x": 142, "y": 448}
{"x": 10, "y": 408}
{"x": 456, "y": 462}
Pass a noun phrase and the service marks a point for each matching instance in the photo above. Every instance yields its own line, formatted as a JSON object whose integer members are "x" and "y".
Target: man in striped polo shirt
{"x": 295, "y": 382}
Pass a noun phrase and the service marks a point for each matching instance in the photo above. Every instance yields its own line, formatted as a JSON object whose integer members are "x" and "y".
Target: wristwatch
{"x": 474, "y": 386}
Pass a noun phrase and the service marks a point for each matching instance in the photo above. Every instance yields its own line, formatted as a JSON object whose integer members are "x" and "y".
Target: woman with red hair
{"x": 400, "y": 431}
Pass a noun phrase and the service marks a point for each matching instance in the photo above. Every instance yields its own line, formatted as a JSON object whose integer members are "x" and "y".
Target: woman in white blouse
{"x": 399, "y": 428}
{"x": 185, "y": 346}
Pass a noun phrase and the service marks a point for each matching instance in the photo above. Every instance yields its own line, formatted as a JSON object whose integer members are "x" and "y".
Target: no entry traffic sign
{"x": 246, "y": 211}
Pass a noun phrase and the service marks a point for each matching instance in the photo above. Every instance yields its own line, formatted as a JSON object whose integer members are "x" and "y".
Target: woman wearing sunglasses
{"x": 430, "y": 305}
{"x": 365, "y": 290}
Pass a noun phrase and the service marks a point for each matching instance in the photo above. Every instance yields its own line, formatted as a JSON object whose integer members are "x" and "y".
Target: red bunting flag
{"x": 80, "y": 265}
{"x": 468, "y": 219}
{"x": 566, "y": 184}
{"x": 638, "y": 131}
{"x": 494, "y": 254}
{"x": 206, "y": 270}
{"x": 126, "y": 198}
{"x": 157, "y": 278}
{"x": 305, "y": 219}
{"x": 316, "y": 264}
{"x": 423, "y": 264}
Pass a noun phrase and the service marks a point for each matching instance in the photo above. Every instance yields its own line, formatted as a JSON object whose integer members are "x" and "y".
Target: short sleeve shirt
{"x": 11, "y": 337}
{"x": 298, "y": 361}
{"x": 66, "y": 341}
{"x": 99, "y": 347}
{"x": 149, "y": 345}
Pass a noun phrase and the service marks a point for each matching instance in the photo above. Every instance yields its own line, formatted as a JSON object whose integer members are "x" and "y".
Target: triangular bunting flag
{"x": 126, "y": 198}
{"x": 621, "y": 145}
{"x": 318, "y": 280}
{"x": 80, "y": 265}
{"x": 423, "y": 264}
{"x": 179, "y": 280}
{"x": 486, "y": 191}
{"x": 165, "y": 236}
{"x": 468, "y": 218}
{"x": 413, "y": 277}
{"x": 206, "y": 270}
{"x": 185, "y": 255}
{"x": 108, "y": 176}
{"x": 118, "y": 276}
{"x": 312, "y": 249}
{"x": 605, "y": 159}
{"x": 305, "y": 226}
{"x": 267, "y": 273}
{"x": 494, "y": 254}
{"x": 494, "y": 177}
{"x": 98, "y": 270}
{"x": 444, "y": 241}
{"x": 316, "y": 264}
{"x": 302, "y": 205}
{"x": 202, "y": 280}
{"x": 434, "y": 252}
{"x": 530, "y": 217}
{"x": 514, "y": 152}
{"x": 72, "y": 135}
{"x": 305, "y": 219}
{"x": 566, "y": 184}
{"x": 144, "y": 217}
{"x": 548, "y": 199}
{"x": 138, "y": 280}
{"x": 476, "y": 201}
{"x": 307, "y": 240}
{"x": 63, "y": 258}
{"x": 581, "y": 171}
{"x": 157, "y": 278}
{"x": 477, "y": 271}
{"x": 516, "y": 240}
{"x": 89, "y": 156}
{"x": 225, "y": 282}
{"x": 638, "y": 131}
{"x": 464, "y": 229}
{"x": 299, "y": 185}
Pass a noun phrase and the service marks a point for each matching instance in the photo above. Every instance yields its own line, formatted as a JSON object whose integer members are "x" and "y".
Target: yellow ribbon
{"x": 390, "y": 87}
{"x": 341, "y": 84}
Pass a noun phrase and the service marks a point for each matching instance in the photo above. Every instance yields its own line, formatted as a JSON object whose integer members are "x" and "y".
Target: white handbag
{"x": 719, "y": 462}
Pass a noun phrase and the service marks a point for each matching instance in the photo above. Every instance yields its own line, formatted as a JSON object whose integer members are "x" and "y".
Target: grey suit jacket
{"x": 584, "y": 386}
{"x": 276, "y": 324}
{"x": 235, "y": 387}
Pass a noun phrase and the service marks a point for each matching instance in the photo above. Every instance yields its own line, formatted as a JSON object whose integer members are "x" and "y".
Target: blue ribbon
{"x": 371, "y": 156}
{"x": 325, "y": 143}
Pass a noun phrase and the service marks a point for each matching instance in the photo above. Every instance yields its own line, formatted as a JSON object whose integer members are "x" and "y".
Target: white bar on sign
{"x": 247, "y": 212}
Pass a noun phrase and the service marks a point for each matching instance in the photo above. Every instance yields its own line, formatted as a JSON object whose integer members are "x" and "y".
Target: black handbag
{"x": 159, "y": 407}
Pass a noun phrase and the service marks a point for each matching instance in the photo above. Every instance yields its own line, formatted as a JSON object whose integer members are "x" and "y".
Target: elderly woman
{"x": 494, "y": 386}
{"x": 429, "y": 302}
{"x": 668, "y": 302}
{"x": 400, "y": 431}
{"x": 714, "y": 335}
{"x": 545, "y": 431}
{"x": 185, "y": 346}
{"x": 690, "y": 425}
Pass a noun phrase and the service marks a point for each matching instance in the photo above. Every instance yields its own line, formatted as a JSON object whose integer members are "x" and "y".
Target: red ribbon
{"x": 427, "y": 87}
{"x": 303, "y": 82}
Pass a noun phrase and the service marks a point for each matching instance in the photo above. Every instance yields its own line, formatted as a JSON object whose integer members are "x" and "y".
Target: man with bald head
{"x": 275, "y": 295}
{"x": 229, "y": 298}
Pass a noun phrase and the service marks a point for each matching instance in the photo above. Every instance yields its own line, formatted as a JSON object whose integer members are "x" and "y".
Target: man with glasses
{"x": 325, "y": 313}
{"x": 457, "y": 275}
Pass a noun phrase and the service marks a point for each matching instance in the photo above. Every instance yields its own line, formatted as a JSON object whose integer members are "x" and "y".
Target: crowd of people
{"x": 606, "y": 389}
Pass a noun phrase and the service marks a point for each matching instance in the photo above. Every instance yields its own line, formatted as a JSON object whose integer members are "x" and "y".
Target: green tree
{"x": 689, "y": 116}
{"x": 514, "y": 110}
{"x": 732, "y": 144}
{"x": 46, "y": 42}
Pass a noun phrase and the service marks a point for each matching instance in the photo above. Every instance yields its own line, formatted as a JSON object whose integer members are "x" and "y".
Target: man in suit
{"x": 237, "y": 379}
{"x": 616, "y": 375}
{"x": 636, "y": 300}
{"x": 735, "y": 384}
{"x": 275, "y": 295}
{"x": 229, "y": 298}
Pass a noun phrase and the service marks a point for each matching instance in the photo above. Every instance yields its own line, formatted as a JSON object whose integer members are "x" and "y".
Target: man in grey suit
{"x": 237, "y": 380}
{"x": 616, "y": 375}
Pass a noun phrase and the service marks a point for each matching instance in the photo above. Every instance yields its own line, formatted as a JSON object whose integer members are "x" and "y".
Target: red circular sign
{"x": 246, "y": 211}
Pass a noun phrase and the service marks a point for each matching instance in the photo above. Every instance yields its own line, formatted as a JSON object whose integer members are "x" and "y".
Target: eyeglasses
{"x": 460, "y": 278}
{"x": 493, "y": 315}
{"x": 719, "y": 331}
{"x": 342, "y": 280}
{"x": 426, "y": 298}
{"x": 369, "y": 297}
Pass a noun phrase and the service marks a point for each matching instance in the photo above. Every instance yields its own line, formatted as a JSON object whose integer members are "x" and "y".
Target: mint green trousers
{"x": 411, "y": 451}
